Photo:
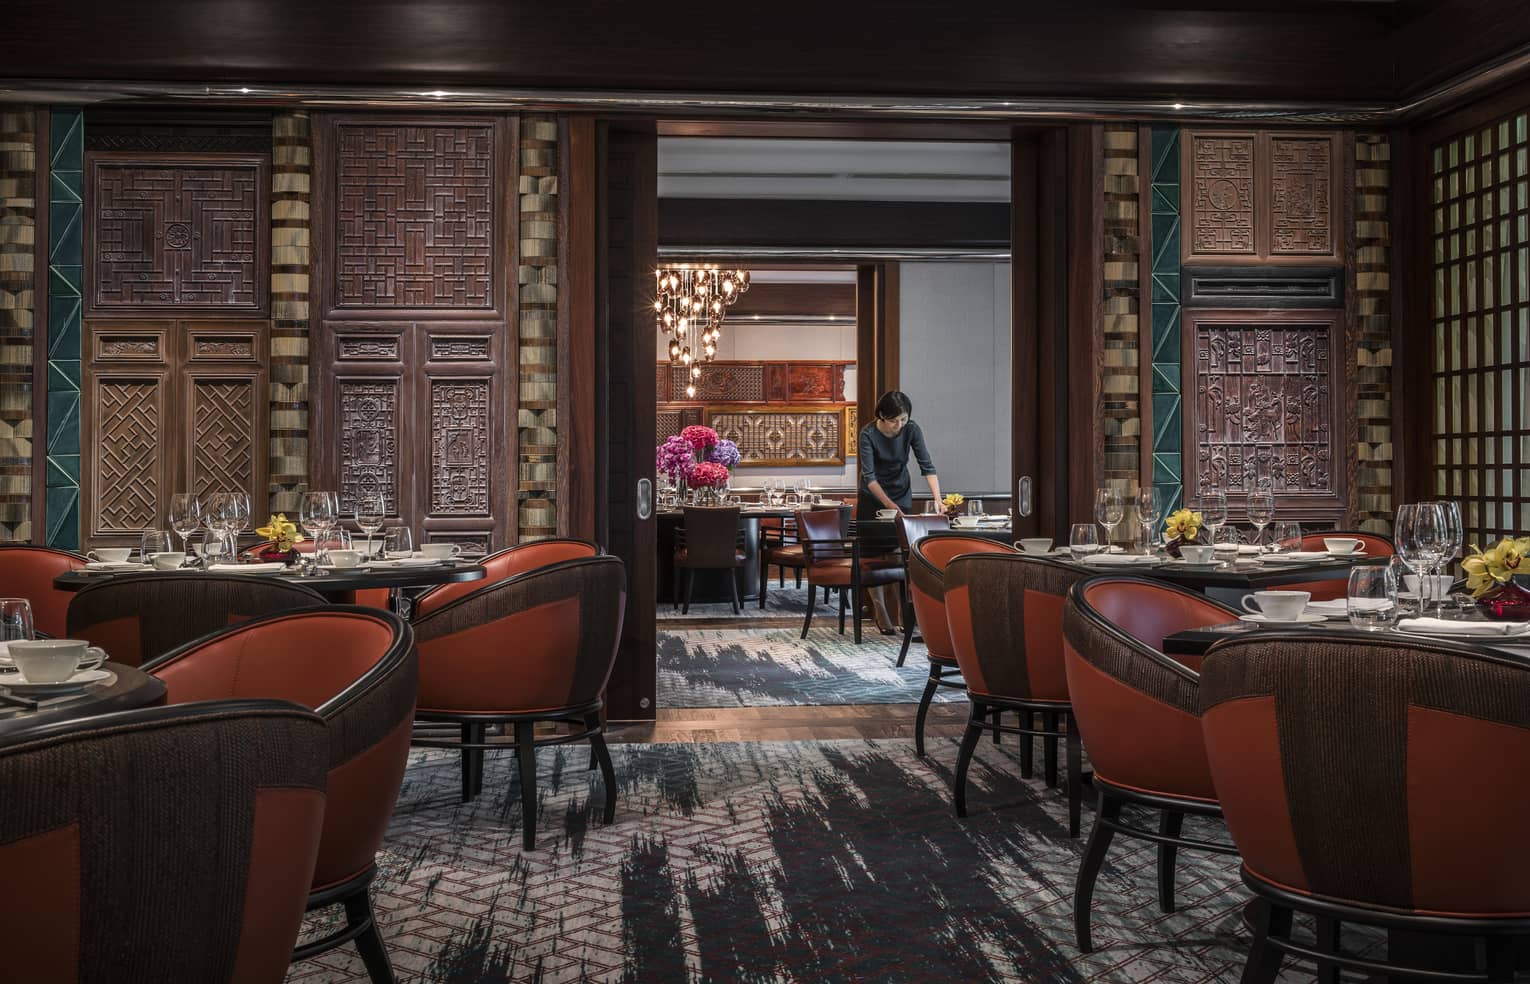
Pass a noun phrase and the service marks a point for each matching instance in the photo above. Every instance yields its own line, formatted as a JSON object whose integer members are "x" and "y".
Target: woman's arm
{"x": 875, "y": 488}
{"x": 934, "y": 481}
{"x": 922, "y": 455}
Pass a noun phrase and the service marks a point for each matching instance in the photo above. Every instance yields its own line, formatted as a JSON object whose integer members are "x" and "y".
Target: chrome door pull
{"x": 644, "y": 498}
{"x": 1023, "y": 496}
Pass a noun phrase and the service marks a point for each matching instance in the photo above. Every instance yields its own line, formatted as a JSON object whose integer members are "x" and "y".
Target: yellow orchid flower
{"x": 952, "y": 500}
{"x": 1486, "y": 569}
{"x": 282, "y": 531}
{"x": 1184, "y": 524}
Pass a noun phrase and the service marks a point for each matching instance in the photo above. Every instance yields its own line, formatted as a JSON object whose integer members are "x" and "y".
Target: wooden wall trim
{"x": 1410, "y": 320}
{"x": 889, "y": 304}
{"x": 576, "y": 329}
{"x": 1084, "y": 258}
{"x": 1025, "y": 233}
{"x": 866, "y": 392}
{"x": 1350, "y": 403}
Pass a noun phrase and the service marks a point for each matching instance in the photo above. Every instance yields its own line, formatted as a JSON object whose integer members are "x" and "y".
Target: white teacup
{"x": 887, "y": 513}
{"x": 344, "y": 558}
{"x": 1341, "y": 544}
{"x": 53, "y": 660}
{"x": 966, "y": 522}
{"x": 110, "y": 555}
{"x": 440, "y": 551}
{"x": 1438, "y": 584}
{"x": 1277, "y": 606}
{"x": 167, "y": 560}
{"x": 1035, "y": 544}
{"x": 1198, "y": 553}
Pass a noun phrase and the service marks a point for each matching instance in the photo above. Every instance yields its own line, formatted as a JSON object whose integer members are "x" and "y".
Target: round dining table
{"x": 334, "y": 583}
{"x": 128, "y": 688}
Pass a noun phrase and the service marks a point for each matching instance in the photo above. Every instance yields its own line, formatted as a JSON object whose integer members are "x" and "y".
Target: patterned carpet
{"x": 765, "y": 862}
{"x": 781, "y": 605}
{"x": 754, "y": 667}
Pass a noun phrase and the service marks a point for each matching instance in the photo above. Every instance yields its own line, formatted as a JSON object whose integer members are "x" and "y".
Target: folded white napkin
{"x": 1446, "y": 626}
{"x": 1295, "y": 555}
{"x": 1120, "y": 560}
{"x": 270, "y": 568}
{"x": 115, "y": 565}
{"x": 1334, "y": 606}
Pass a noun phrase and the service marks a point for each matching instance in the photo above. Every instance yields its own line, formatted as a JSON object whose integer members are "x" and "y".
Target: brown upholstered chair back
{"x": 504, "y": 564}
{"x": 1341, "y": 762}
{"x": 1137, "y": 709}
{"x": 212, "y": 811}
{"x": 1150, "y": 611}
{"x": 28, "y": 572}
{"x": 1004, "y": 613}
{"x": 543, "y": 640}
{"x": 711, "y": 536}
{"x": 1374, "y": 544}
{"x": 357, "y": 668}
{"x": 912, "y": 529}
{"x": 926, "y": 583}
{"x": 140, "y": 617}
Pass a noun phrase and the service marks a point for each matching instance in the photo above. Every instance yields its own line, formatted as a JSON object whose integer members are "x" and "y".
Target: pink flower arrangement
{"x": 709, "y": 474}
{"x": 699, "y": 437}
{"x": 675, "y": 458}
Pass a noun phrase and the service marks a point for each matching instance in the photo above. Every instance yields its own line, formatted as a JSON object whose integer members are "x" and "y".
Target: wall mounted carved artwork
{"x": 1221, "y": 176}
{"x": 130, "y": 435}
{"x": 176, "y": 233}
{"x": 459, "y": 412}
{"x": 222, "y": 444}
{"x": 368, "y": 440}
{"x": 786, "y": 436}
{"x": 1265, "y": 406}
{"x": 755, "y": 382}
{"x": 1301, "y": 196}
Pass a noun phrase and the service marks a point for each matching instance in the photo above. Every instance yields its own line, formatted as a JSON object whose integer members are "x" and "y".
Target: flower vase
{"x": 1509, "y": 601}
{"x": 1172, "y": 547}
{"x": 274, "y": 554}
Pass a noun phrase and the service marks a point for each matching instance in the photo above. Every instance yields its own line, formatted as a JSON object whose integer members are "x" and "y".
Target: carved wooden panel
{"x": 788, "y": 436}
{"x": 223, "y": 437}
{"x": 724, "y": 382}
{"x": 175, "y": 232}
{"x": 755, "y": 382}
{"x": 456, "y": 348}
{"x": 126, "y": 453}
{"x": 461, "y": 440}
{"x": 370, "y": 348}
{"x": 414, "y": 216}
{"x": 369, "y": 440}
{"x": 1220, "y": 210}
{"x": 129, "y": 346}
{"x": 1301, "y": 195}
{"x": 1265, "y": 405}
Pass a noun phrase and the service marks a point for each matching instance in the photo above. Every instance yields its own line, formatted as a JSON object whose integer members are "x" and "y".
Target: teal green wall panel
{"x": 66, "y": 257}
{"x": 1167, "y": 375}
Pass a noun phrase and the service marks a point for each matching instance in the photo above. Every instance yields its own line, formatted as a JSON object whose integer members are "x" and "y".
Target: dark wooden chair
{"x": 710, "y": 538}
{"x": 28, "y": 571}
{"x": 849, "y": 564}
{"x": 779, "y": 548}
{"x": 1138, "y": 713}
{"x": 912, "y": 529}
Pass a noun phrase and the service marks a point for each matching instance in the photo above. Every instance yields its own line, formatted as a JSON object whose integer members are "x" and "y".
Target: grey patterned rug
{"x": 765, "y": 667}
{"x": 766, "y": 862}
{"x": 781, "y": 604}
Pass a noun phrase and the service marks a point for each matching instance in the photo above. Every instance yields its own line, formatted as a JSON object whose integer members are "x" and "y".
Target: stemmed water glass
{"x": 370, "y": 513}
{"x": 1214, "y": 512}
{"x": 219, "y": 515}
{"x": 1261, "y": 511}
{"x": 185, "y": 516}
{"x": 238, "y": 518}
{"x": 1149, "y": 511}
{"x": 1108, "y": 509}
{"x": 318, "y": 512}
{"x": 1455, "y": 535}
{"x": 1423, "y": 538}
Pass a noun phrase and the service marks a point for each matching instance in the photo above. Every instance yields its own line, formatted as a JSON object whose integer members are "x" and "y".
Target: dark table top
{"x": 129, "y": 688}
{"x": 1195, "y": 642}
{"x": 331, "y": 581}
{"x": 1244, "y": 578}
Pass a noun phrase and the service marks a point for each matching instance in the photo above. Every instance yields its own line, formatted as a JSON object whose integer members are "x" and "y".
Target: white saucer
{"x": 117, "y": 565}
{"x": 1302, "y": 619}
{"x": 1341, "y": 556}
{"x": 16, "y": 685}
{"x": 401, "y": 562}
{"x": 1210, "y": 565}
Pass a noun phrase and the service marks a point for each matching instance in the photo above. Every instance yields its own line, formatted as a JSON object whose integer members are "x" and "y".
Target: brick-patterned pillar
{"x": 1121, "y": 415}
{"x": 537, "y": 328}
{"x": 18, "y": 229}
{"x": 1373, "y": 332}
{"x": 291, "y": 195}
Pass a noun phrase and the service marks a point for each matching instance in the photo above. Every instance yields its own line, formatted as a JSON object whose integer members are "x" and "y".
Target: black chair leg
{"x": 807, "y": 618}
{"x": 690, "y": 584}
{"x": 1089, "y": 868}
{"x": 1328, "y": 942}
{"x": 970, "y": 739}
{"x": 764, "y": 579}
{"x": 600, "y": 753}
{"x": 738, "y": 601}
{"x": 1027, "y": 745}
{"x": 1049, "y": 747}
{"x": 472, "y": 761}
{"x": 358, "y": 911}
{"x": 924, "y": 709}
{"x": 1264, "y": 960}
{"x": 796, "y": 573}
{"x": 857, "y": 598}
{"x": 841, "y": 611}
{"x": 825, "y": 594}
{"x": 1500, "y": 959}
{"x": 997, "y": 720}
{"x": 1169, "y": 825}
{"x": 526, "y": 752}
{"x": 908, "y": 638}
{"x": 1075, "y": 776}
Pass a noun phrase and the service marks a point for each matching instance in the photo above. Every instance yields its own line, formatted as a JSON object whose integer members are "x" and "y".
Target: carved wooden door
{"x": 412, "y": 358}
{"x": 169, "y": 406}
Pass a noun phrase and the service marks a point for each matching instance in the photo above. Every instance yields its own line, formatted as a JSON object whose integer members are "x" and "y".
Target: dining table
{"x": 125, "y": 688}
{"x": 713, "y": 585}
{"x": 1229, "y": 581}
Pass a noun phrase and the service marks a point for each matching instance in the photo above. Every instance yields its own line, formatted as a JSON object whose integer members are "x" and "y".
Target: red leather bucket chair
{"x": 1337, "y": 585}
{"x": 28, "y": 572}
{"x": 503, "y": 564}
{"x": 356, "y": 667}
{"x": 912, "y": 529}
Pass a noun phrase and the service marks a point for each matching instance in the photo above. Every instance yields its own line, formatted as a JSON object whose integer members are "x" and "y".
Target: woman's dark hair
{"x": 893, "y": 404}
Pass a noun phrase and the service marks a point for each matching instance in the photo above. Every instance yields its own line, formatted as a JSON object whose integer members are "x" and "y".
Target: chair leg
{"x": 1089, "y": 868}
{"x": 472, "y": 761}
{"x": 998, "y": 719}
{"x": 526, "y": 752}
{"x": 1264, "y": 960}
{"x": 358, "y": 911}
{"x": 825, "y": 594}
{"x": 764, "y": 578}
{"x": 1169, "y": 825}
{"x": 924, "y": 709}
{"x": 1049, "y": 747}
{"x": 857, "y": 598}
{"x": 807, "y": 618}
{"x": 841, "y": 611}
{"x": 1027, "y": 745}
{"x": 970, "y": 739}
{"x": 796, "y": 573}
{"x": 1500, "y": 959}
{"x": 1328, "y": 942}
{"x": 674, "y": 580}
{"x": 738, "y": 600}
{"x": 690, "y": 584}
{"x": 1075, "y": 776}
{"x": 908, "y": 629}
{"x": 600, "y": 753}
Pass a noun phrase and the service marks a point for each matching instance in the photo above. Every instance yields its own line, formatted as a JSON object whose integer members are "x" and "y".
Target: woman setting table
{"x": 885, "y": 446}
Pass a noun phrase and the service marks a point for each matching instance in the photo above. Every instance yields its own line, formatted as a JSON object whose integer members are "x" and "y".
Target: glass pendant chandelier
{"x": 688, "y": 308}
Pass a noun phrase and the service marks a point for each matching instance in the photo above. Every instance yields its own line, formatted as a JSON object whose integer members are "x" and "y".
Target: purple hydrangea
{"x": 675, "y": 458}
{"x": 725, "y": 453}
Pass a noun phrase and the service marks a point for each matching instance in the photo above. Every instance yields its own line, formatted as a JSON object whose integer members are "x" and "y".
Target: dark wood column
{"x": 876, "y": 336}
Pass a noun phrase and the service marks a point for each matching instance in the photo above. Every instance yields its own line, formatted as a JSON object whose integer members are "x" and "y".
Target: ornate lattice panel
{"x": 414, "y": 217}
{"x": 129, "y": 439}
{"x": 460, "y": 441}
{"x": 1221, "y": 196}
{"x": 369, "y": 445}
{"x": 1301, "y": 196}
{"x": 222, "y": 439}
{"x": 790, "y": 436}
{"x": 726, "y": 383}
{"x": 1264, "y": 407}
{"x": 177, "y": 233}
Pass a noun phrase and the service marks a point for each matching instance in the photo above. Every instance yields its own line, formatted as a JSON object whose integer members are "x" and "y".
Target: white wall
{"x": 954, "y": 363}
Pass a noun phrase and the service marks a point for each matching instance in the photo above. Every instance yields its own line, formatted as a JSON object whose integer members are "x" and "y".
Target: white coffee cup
{"x": 1439, "y": 584}
{"x": 110, "y": 555}
{"x": 1341, "y": 544}
{"x": 344, "y": 558}
{"x": 1277, "y": 606}
{"x": 887, "y": 513}
{"x": 1035, "y": 544}
{"x": 167, "y": 560}
{"x": 967, "y": 522}
{"x": 53, "y": 660}
{"x": 440, "y": 551}
{"x": 1198, "y": 553}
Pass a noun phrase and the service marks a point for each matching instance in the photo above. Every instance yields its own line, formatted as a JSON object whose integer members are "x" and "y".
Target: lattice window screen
{"x": 1481, "y": 319}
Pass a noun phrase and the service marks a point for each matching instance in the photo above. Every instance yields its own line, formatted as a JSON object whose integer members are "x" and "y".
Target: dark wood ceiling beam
{"x": 727, "y": 223}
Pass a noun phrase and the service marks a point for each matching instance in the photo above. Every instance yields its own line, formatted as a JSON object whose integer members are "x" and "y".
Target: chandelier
{"x": 688, "y": 309}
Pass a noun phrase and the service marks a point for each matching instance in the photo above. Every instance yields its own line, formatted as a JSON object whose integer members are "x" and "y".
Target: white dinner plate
{"x": 1352, "y": 553}
{"x": 1210, "y": 565}
{"x": 1302, "y": 619}
{"x": 15, "y": 684}
{"x": 401, "y": 562}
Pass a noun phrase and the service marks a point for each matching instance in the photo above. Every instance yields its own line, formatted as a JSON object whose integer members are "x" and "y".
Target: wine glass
{"x": 185, "y": 516}
{"x": 1083, "y": 540}
{"x": 1455, "y": 539}
{"x": 370, "y": 513}
{"x": 1108, "y": 509}
{"x": 318, "y": 511}
{"x": 1261, "y": 511}
{"x": 1214, "y": 512}
{"x": 1422, "y": 539}
{"x": 238, "y": 518}
{"x": 1149, "y": 511}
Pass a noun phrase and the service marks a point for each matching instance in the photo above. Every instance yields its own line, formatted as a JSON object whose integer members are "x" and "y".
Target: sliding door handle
{"x": 644, "y": 499}
{"x": 1023, "y": 502}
